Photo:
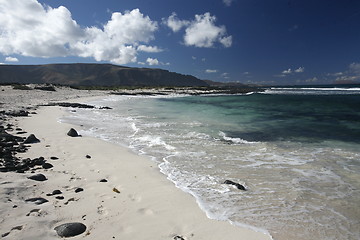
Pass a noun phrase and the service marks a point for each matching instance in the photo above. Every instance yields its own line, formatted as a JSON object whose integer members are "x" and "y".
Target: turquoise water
{"x": 295, "y": 150}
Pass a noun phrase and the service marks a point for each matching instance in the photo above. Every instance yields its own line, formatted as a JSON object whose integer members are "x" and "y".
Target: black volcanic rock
{"x": 31, "y": 139}
{"x": 37, "y": 201}
{"x": 73, "y": 133}
{"x": 38, "y": 177}
{"x": 70, "y": 229}
{"x": 237, "y": 185}
{"x": 94, "y": 75}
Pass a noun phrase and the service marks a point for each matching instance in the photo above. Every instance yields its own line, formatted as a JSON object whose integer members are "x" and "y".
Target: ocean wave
{"x": 312, "y": 91}
{"x": 233, "y": 140}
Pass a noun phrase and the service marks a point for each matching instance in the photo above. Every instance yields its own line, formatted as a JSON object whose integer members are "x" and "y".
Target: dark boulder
{"x": 37, "y": 201}
{"x": 79, "y": 190}
{"x": 103, "y": 180}
{"x": 38, "y": 177}
{"x": 31, "y": 139}
{"x": 73, "y": 133}
{"x": 237, "y": 185}
{"x": 47, "y": 165}
{"x": 70, "y": 229}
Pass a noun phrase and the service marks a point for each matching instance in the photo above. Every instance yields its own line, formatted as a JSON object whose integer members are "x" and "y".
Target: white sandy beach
{"x": 146, "y": 206}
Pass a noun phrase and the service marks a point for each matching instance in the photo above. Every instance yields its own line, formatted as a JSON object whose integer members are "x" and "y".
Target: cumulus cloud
{"x": 29, "y": 28}
{"x": 149, "y": 49}
{"x": 225, "y": 75}
{"x": 211, "y": 71}
{"x": 152, "y": 61}
{"x": 354, "y": 68}
{"x": 11, "y": 59}
{"x": 228, "y": 2}
{"x": 300, "y": 70}
{"x": 352, "y": 74}
{"x": 200, "y": 32}
{"x": 289, "y": 71}
{"x": 174, "y": 22}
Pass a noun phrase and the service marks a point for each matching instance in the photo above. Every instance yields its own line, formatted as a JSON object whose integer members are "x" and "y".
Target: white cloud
{"x": 300, "y": 70}
{"x": 225, "y": 75}
{"x": 211, "y": 71}
{"x": 152, "y": 61}
{"x": 228, "y": 2}
{"x": 11, "y": 59}
{"x": 149, "y": 49}
{"x": 193, "y": 58}
{"x": 350, "y": 75}
{"x": 289, "y": 71}
{"x": 312, "y": 80}
{"x": 29, "y": 28}
{"x": 354, "y": 68}
{"x": 202, "y": 32}
{"x": 174, "y": 22}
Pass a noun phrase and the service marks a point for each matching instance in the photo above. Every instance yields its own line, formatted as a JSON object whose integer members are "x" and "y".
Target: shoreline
{"x": 145, "y": 205}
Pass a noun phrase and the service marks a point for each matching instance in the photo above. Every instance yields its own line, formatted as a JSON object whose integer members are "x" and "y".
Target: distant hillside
{"x": 80, "y": 74}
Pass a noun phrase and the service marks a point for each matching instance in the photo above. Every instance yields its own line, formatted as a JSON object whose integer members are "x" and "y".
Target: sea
{"x": 296, "y": 150}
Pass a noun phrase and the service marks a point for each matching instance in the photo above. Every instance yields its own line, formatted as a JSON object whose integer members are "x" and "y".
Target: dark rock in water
{"x": 79, "y": 190}
{"x": 70, "y": 229}
{"x": 31, "y": 139}
{"x": 73, "y": 133}
{"x": 47, "y": 166}
{"x": 237, "y": 185}
{"x": 38, "y": 177}
{"x": 88, "y": 156}
{"x": 37, "y": 201}
{"x": 103, "y": 180}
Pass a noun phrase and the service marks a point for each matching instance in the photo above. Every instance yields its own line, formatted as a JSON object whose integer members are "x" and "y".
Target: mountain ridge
{"x": 93, "y": 74}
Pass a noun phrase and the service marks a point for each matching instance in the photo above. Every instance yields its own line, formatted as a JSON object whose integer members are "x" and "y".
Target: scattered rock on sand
{"x": 70, "y": 229}
{"x": 31, "y": 139}
{"x": 88, "y": 156}
{"x": 54, "y": 158}
{"x": 103, "y": 180}
{"x": 73, "y": 133}
{"x": 38, "y": 177}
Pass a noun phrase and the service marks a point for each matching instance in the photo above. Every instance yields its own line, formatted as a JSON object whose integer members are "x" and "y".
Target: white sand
{"x": 147, "y": 207}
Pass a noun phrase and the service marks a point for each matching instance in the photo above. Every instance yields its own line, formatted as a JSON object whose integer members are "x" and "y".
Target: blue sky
{"x": 250, "y": 41}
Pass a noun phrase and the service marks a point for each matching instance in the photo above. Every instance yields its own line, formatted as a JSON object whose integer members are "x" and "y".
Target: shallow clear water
{"x": 295, "y": 150}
